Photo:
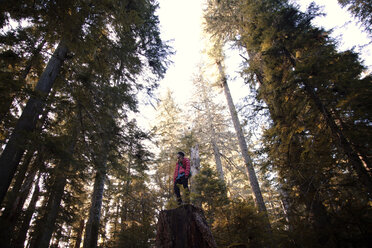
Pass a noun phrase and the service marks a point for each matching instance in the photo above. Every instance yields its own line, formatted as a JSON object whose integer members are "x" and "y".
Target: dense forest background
{"x": 290, "y": 166}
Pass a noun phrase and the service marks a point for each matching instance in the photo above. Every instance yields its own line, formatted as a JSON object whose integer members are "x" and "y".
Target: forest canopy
{"x": 289, "y": 165}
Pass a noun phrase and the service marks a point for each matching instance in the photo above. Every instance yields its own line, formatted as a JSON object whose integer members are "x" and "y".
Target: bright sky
{"x": 181, "y": 20}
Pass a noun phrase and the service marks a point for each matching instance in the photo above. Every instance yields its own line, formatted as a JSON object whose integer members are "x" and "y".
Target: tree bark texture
{"x": 14, "y": 204}
{"x": 15, "y": 147}
{"x": 47, "y": 225}
{"x": 20, "y": 239}
{"x": 20, "y": 199}
{"x": 183, "y": 227}
{"x": 16, "y": 187}
{"x": 92, "y": 226}
{"x": 243, "y": 145}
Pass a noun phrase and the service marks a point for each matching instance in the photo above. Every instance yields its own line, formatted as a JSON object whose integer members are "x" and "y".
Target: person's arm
{"x": 187, "y": 165}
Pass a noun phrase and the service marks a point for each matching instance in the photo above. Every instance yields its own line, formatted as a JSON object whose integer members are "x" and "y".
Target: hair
{"x": 181, "y": 154}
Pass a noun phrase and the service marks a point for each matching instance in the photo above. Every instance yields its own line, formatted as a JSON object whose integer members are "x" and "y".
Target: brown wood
{"x": 183, "y": 227}
{"x": 15, "y": 147}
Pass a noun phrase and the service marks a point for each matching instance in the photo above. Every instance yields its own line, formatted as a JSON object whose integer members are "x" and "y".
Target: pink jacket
{"x": 186, "y": 170}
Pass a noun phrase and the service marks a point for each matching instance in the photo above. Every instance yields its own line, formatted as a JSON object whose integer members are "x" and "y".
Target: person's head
{"x": 180, "y": 155}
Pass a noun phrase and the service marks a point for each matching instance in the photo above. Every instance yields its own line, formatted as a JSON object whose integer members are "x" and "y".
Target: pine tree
{"x": 120, "y": 57}
{"x": 211, "y": 192}
{"x": 305, "y": 82}
{"x": 287, "y": 46}
{"x": 211, "y": 125}
{"x": 361, "y": 9}
{"x": 168, "y": 128}
{"x": 205, "y": 107}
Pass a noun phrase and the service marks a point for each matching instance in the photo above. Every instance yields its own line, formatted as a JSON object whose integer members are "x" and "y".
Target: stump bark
{"x": 183, "y": 227}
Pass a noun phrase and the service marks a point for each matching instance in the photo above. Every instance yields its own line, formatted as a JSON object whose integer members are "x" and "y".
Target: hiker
{"x": 181, "y": 175}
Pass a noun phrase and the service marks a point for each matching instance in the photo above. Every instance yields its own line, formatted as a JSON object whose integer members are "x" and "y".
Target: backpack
{"x": 179, "y": 176}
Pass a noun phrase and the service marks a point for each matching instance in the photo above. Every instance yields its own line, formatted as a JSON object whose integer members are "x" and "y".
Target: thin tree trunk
{"x": 217, "y": 157}
{"x": 15, "y": 147}
{"x": 257, "y": 195}
{"x": 361, "y": 168}
{"x": 286, "y": 206}
{"x": 195, "y": 168}
{"x": 13, "y": 209}
{"x": 19, "y": 241}
{"x": 22, "y": 197}
{"x": 362, "y": 155}
{"x": 79, "y": 234}
{"x": 243, "y": 145}
{"x": 116, "y": 221}
{"x": 47, "y": 224}
{"x": 124, "y": 209}
{"x": 216, "y": 151}
{"x": 92, "y": 226}
{"x": 20, "y": 176}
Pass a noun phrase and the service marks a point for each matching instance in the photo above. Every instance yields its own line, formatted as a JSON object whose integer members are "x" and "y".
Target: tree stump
{"x": 183, "y": 227}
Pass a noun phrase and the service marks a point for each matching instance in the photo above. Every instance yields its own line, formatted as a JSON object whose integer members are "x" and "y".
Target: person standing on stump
{"x": 181, "y": 175}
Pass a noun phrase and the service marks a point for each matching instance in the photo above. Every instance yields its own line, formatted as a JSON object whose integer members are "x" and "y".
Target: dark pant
{"x": 184, "y": 181}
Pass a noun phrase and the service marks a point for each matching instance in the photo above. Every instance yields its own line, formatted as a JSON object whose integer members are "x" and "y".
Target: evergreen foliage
{"x": 113, "y": 50}
{"x": 78, "y": 171}
{"x": 362, "y": 10}
{"x": 305, "y": 82}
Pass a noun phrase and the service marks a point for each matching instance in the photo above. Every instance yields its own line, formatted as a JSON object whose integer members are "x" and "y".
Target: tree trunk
{"x": 362, "y": 169}
{"x": 217, "y": 157}
{"x": 216, "y": 151}
{"x": 79, "y": 234}
{"x": 47, "y": 224}
{"x": 21, "y": 198}
{"x": 20, "y": 176}
{"x": 284, "y": 197}
{"x": 14, "y": 206}
{"x": 194, "y": 169}
{"x": 92, "y": 226}
{"x": 15, "y": 147}
{"x": 19, "y": 241}
{"x": 7, "y": 103}
{"x": 243, "y": 145}
{"x": 363, "y": 156}
{"x": 183, "y": 227}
